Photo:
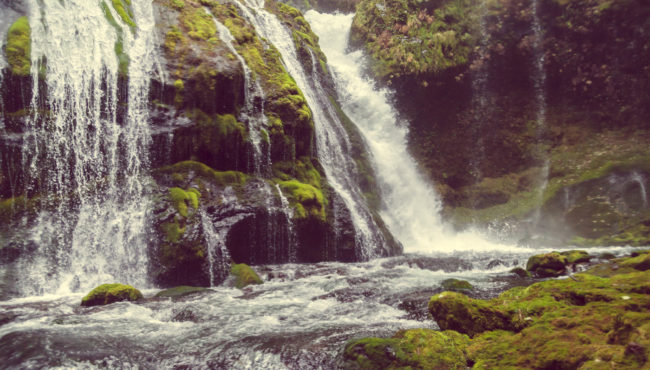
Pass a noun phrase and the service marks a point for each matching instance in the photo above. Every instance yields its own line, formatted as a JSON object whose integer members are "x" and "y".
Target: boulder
{"x": 109, "y": 293}
{"x": 547, "y": 265}
{"x": 456, "y": 285}
{"x": 244, "y": 275}
{"x": 455, "y": 311}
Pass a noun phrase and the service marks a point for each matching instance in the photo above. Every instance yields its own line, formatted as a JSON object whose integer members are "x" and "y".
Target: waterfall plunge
{"x": 85, "y": 157}
{"x": 412, "y": 208}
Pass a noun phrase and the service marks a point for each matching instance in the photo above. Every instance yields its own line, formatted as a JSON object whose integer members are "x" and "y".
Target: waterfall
{"x": 217, "y": 253}
{"x": 636, "y": 177}
{"x": 253, "y": 111}
{"x": 539, "y": 83}
{"x": 411, "y": 208}
{"x": 84, "y": 156}
{"x": 480, "y": 108}
{"x": 332, "y": 143}
{"x": 288, "y": 214}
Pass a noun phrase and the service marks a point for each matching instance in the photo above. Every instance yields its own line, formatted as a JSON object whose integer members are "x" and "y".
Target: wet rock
{"x": 547, "y": 265}
{"x": 450, "y": 264}
{"x": 456, "y": 285}
{"x": 455, "y": 311}
{"x": 186, "y": 314}
{"x": 494, "y": 264}
{"x": 180, "y": 291}
{"x": 244, "y": 275}
{"x": 520, "y": 272}
{"x": 109, "y": 293}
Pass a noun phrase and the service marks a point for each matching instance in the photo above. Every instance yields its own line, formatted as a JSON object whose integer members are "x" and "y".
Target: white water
{"x": 286, "y": 209}
{"x": 332, "y": 141}
{"x": 253, "y": 110}
{"x": 218, "y": 256}
{"x": 412, "y": 208}
{"x": 539, "y": 80}
{"x": 87, "y": 165}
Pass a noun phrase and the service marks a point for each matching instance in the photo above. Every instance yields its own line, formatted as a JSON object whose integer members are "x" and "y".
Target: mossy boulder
{"x": 18, "y": 48}
{"x": 547, "y": 265}
{"x": 520, "y": 272}
{"x": 109, "y": 293}
{"x": 576, "y": 256}
{"x": 456, "y": 311}
{"x": 641, "y": 262}
{"x": 456, "y": 285}
{"x": 244, "y": 275}
{"x": 413, "y": 349}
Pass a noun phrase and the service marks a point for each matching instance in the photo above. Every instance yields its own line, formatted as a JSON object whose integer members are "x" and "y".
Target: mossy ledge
{"x": 597, "y": 319}
{"x": 110, "y": 293}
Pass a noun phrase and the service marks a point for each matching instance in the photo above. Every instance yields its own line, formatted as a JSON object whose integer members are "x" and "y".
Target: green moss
{"x": 307, "y": 200}
{"x": 408, "y": 349}
{"x": 244, "y": 275}
{"x": 546, "y": 265}
{"x": 179, "y": 291}
{"x": 199, "y": 25}
{"x": 122, "y": 57}
{"x": 173, "y": 231}
{"x": 221, "y": 178}
{"x": 520, "y": 272}
{"x": 18, "y": 48}
{"x": 123, "y": 9}
{"x": 109, "y": 293}
{"x": 177, "y": 4}
{"x": 455, "y": 311}
{"x": 181, "y": 199}
{"x": 576, "y": 256}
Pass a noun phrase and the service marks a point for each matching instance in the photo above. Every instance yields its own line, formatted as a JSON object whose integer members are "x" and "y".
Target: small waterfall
{"x": 218, "y": 256}
{"x": 412, "y": 207}
{"x": 539, "y": 83}
{"x": 85, "y": 156}
{"x": 332, "y": 141}
{"x": 253, "y": 111}
{"x": 288, "y": 214}
{"x": 636, "y": 177}
{"x": 480, "y": 107}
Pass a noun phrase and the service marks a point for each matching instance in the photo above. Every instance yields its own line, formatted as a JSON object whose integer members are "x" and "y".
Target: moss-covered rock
{"x": 412, "y": 349}
{"x": 520, "y": 272}
{"x": 456, "y": 311}
{"x": 456, "y": 285}
{"x": 576, "y": 256}
{"x": 18, "y": 48}
{"x": 244, "y": 275}
{"x": 109, "y": 293}
{"x": 547, "y": 265}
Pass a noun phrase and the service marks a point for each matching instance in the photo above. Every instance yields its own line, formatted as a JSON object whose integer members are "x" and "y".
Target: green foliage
{"x": 18, "y": 48}
{"x": 411, "y": 349}
{"x": 221, "y": 178}
{"x": 244, "y": 275}
{"x": 403, "y": 37}
{"x": 173, "y": 231}
{"x": 109, "y": 293}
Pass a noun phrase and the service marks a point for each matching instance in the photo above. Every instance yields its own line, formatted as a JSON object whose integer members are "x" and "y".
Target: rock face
{"x": 487, "y": 116}
{"x": 110, "y": 293}
{"x": 232, "y": 156}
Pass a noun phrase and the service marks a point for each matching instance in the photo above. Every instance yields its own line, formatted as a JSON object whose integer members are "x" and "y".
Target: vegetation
{"x": 110, "y": 293}
{"x": 18, "y": 48}
{"x": 244, "y": 275}
{"x": 598, "y": 319}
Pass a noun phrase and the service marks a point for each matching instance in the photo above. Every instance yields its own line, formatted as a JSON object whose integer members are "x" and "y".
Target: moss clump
{"x": 186, "y": 169}
{"x": 123, "y": 9}
{"x": 122, "y": 57}
{"x": 109, "y": 293}
{"x": 179, "y": 291}
{"x": 520, "y": 272}
{"x": 307, "y": 200}
{"x": 415, "y": 348}
{"x": 18, "y": 49}
{"x": 244, "y": 275}
{"x": 547, "y": 265}
{"x": 576, "y": 256}
{"x": 456, "y": 285}
{"x": 455, "y": 311}
{"x": 181, "y": 199}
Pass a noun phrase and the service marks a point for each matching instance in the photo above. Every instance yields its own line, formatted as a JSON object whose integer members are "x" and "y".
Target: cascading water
{"x": 480, "y": 107}
{"x": 218, "y": 256}
{"x": 638, "y": 178}
{"x": 85, "y": 157}
{"x": 253, "y": 110}
{"x": 539, "y": 83}
{"x": 288, "y": 214}
{"x": 332, "y": 141}
{"x": 411, "y": 208}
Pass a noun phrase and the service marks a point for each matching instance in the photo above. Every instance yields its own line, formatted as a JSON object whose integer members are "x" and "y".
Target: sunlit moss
{"x": 18, "y": 48}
